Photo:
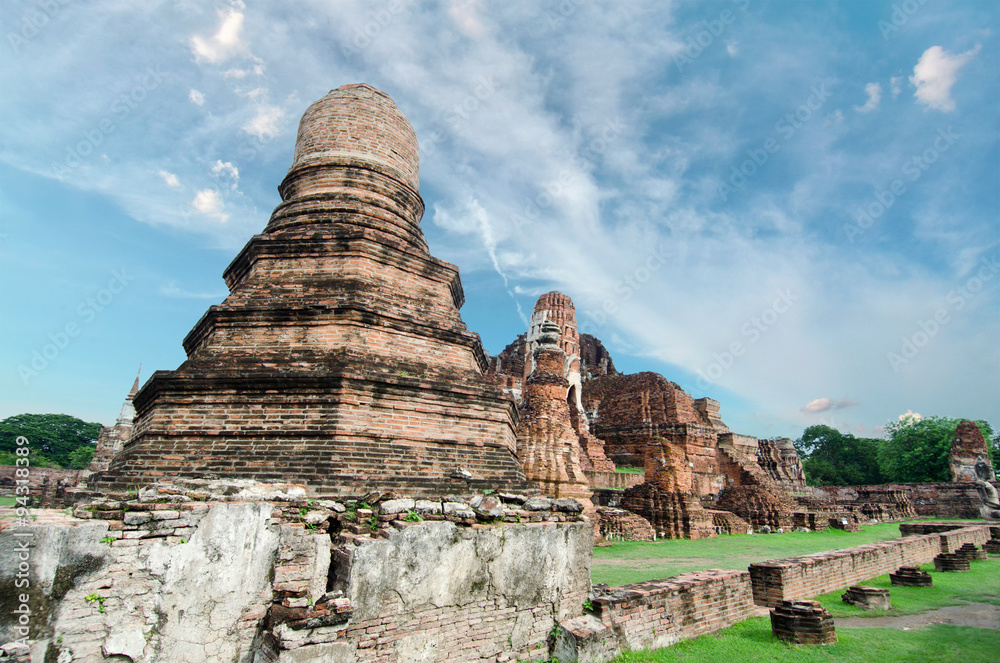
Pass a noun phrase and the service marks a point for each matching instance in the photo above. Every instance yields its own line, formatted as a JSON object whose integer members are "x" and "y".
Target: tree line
{"x": 913, "y": 451}
{"x": 55, "y": 440}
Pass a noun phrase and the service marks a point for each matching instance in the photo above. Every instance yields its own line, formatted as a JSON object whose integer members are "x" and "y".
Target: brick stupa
{"x": 339, "y": 358}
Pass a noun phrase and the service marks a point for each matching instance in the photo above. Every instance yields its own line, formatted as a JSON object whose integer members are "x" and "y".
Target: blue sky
{"x": 790, "y": 207}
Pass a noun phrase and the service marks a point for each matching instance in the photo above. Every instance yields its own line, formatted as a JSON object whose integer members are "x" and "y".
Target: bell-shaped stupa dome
{"x": 357, "y": 125}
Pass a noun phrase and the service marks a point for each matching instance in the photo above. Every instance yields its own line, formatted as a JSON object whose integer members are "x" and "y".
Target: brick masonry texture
{"x": 659, "y": 613}
{"x": 811, "y": 575}
{"x": 339, "y": 357}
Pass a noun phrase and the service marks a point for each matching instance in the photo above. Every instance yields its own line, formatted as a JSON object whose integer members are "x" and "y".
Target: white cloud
{"x": 733, "y": 48}
{"x": 209, "y": 203}
{"x": 874, "y": 91}
{"x": 196, "y": 97}
{"x": 896, "y": 85}
{"x": 170, "y": 179}
{"x": 935, "y": 74}
{"x": 225, "y": 43}
{"x": 226, "y": 171}
{"x": 266, "y": 122}
{"x": 911, "y": 416}
{"x": 465, "y": 14}
{"x": 824, "y": 404}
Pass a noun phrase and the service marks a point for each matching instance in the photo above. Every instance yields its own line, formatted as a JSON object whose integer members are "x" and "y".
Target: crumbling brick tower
{"x": 557, "y": 308}
{"x": 339, "y": 358}
{"x": 547, "y": 443}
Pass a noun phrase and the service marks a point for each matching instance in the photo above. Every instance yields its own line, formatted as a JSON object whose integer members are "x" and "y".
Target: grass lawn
{"x": 981, "y": 585}
{"x": 752, "y": 640}
{"x": 630, "y": 470}
{"x": 8, "y": 500}
{"x": 626, "y": 562}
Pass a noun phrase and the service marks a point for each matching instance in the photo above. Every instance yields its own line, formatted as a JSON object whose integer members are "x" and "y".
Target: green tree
{"x": 80, "y": 457}
{"x": 916, "y": 451}
{"x": 52, "y": 437}
{"x": 832, "y": 458}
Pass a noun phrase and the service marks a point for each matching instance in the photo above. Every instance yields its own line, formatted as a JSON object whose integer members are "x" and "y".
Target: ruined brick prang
{"x": 968, "y": 448}
{"x": 547, "y": 444}
{"x": 339, "y": 357}
{"x": 782, "y": 463}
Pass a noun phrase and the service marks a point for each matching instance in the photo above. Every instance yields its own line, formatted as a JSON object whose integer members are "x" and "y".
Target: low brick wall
{"x": 657, "y": 613}
{"x": 810, "y": 575}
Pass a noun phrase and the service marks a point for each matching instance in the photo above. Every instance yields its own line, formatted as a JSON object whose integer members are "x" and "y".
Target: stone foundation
{"x": 971, "y": 553}
{"x": 952, "y": 562}
{"x": 911, "y": 576}
{"x": 404, "y": 580}
{"x": 869, "y": 598}
{"x": 803, "y": 622}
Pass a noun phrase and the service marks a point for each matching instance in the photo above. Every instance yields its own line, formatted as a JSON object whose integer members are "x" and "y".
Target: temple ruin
{"x": 376, "y": 488}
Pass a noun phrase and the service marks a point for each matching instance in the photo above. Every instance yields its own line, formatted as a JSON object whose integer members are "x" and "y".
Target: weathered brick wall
{"x": 618, "y": 480}
{"x": 659, "y": 613}
{"x": 810, "y": 575}
{"x": 478, "y": 579}
{"x": 929, "y": 500}
{"x": 47, "y": 486}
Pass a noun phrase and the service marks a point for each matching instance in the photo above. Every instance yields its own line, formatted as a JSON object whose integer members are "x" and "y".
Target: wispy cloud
{"x": 825, "y": 404}
{"x": 173, "y": 291}
{"x": 874, "y": 92}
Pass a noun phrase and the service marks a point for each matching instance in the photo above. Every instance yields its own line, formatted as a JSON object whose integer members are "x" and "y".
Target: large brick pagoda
{"x": 339, "y": 358}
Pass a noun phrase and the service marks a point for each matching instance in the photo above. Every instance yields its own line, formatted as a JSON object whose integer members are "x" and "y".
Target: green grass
{"x": 752, "y": 640}
{"x": 630, "y": 470}
{"x": 627, "y": 562}
{"x": 981, "y": 585}
{"x": 8, "y": 500}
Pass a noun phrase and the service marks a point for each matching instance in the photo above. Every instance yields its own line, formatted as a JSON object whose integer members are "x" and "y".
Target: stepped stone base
{"x": 951, "y": 562}
{"x": 970, "y": 552}
{"x": 803, "y": 622}
{"x": 911, "y": 576}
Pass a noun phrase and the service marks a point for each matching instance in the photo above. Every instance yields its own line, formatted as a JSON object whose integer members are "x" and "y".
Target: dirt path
{"x": 980, "y": 615}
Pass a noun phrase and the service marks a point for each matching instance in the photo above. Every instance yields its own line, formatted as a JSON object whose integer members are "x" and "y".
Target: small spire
{"x": 135, "y": 385}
